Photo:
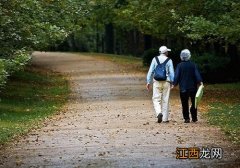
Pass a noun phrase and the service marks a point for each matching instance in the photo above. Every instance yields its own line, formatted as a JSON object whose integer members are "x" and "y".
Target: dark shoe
{"x": 194, "y": 120}
{"x": 187, "y": 121}
{"x": 159, "y": 117}
{"x": 165, "y": 121}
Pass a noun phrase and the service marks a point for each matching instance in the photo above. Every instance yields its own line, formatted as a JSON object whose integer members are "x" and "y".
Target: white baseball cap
{"x": 164, "y": 49}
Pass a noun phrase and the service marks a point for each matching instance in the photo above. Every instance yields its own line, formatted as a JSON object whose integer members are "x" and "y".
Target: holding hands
{"x": 148, "y": 87}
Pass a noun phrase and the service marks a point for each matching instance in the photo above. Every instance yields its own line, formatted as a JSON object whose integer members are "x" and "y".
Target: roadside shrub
{"x": 10, "y": 66}
{"x": 213, "y": 68}
{"x": 148, "y": 55}
{"x": 18, "y": 62}
{"x": 209, "y": 62}
{"x": 3, "y": 74}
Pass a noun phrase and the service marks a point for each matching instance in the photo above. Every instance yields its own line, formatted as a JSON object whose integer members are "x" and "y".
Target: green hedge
{"x": 210, "y": 63}
{"x": 10, "y": 66}
{"x": 3, "y": 74}
{"x": 214, "y": 69}
{"x": 148, "y": 55}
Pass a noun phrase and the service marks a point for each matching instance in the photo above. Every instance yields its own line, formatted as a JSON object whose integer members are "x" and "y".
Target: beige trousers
{"x": 161, "y": 93}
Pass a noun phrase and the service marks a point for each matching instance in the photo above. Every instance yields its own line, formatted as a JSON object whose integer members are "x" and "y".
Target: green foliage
{"x": 196, "y": 28}
{"x": 149, "y": 17}
{"x": 11, "y": 66}
{"x": 3, "y": 74}
{"x": 148, "y": 55}
{"x": 36, "y": 24}
{"x": 29, "y": 97}
{"x": 18, "y": 62}
{"x": 196, "y": 20}
{"x": 210, "y": 63}
{"x": 215, "y": 20}
{"x": 39, "y": 25}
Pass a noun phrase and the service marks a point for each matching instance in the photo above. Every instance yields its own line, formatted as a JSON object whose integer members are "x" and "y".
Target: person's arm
{"x": 150, "y": 74}
{"x": 171, "y": 71}
{"x": 176, "y": 76}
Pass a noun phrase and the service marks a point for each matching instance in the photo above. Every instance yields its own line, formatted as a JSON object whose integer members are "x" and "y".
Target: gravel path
{"x": 109, "y": 122}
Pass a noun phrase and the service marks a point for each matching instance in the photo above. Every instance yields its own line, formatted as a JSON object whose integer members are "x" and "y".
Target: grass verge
{"x": 127, "y": 62}
{"x": 29, "y": 97}
{"x": 224, "y": 108}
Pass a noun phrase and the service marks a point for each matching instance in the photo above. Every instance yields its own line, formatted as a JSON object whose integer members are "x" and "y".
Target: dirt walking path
{"x": 109, "y": 122}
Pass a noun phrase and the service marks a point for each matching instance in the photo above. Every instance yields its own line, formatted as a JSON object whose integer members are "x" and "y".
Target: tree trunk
{"x": 233, "y": 53}
{"x": 109, "y": 38}
{"x": 147, "y": 42}
{"x": 70, "y": 41}
{"x": 97, "y": 37}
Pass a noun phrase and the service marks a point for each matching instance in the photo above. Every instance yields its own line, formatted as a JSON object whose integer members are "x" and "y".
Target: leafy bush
{"x": 36, "y": 25}
{"x": 213, "y": 68}
{"x": 3, "y": 74}
{"x": 148, "y": 55}
{"x": 10, "y": 66}
{"x": 20, "y": 59}
{"x": 210, "y": 63}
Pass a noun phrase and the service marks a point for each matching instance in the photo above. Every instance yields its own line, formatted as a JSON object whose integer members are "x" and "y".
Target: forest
{"x": 209, "y": 28}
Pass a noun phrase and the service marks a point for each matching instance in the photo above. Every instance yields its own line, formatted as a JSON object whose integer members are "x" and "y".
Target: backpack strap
{"x": 163, "y": 62}
{"x": 166, "y": 60}
{"x": 157, "y": 60}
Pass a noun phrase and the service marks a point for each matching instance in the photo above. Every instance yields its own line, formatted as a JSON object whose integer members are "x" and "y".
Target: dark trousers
{"x": 185, "y": 105}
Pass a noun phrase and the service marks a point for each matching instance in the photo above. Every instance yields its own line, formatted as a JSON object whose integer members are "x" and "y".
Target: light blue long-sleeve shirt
{"x": 169, "y": 69}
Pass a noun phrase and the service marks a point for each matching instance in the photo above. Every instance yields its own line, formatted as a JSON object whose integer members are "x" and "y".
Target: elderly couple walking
{"x": 186, "y": 75}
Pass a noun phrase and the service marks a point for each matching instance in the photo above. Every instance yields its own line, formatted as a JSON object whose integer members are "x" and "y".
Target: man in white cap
{"x": 161, "y": 85}
{"x": 188, "y": 78}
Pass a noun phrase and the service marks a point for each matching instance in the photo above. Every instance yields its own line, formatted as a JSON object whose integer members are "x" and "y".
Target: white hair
{"x": 185, "y": 55}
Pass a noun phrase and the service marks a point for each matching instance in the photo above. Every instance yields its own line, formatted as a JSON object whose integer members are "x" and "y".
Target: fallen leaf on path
{"x": 102, "y": 154}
